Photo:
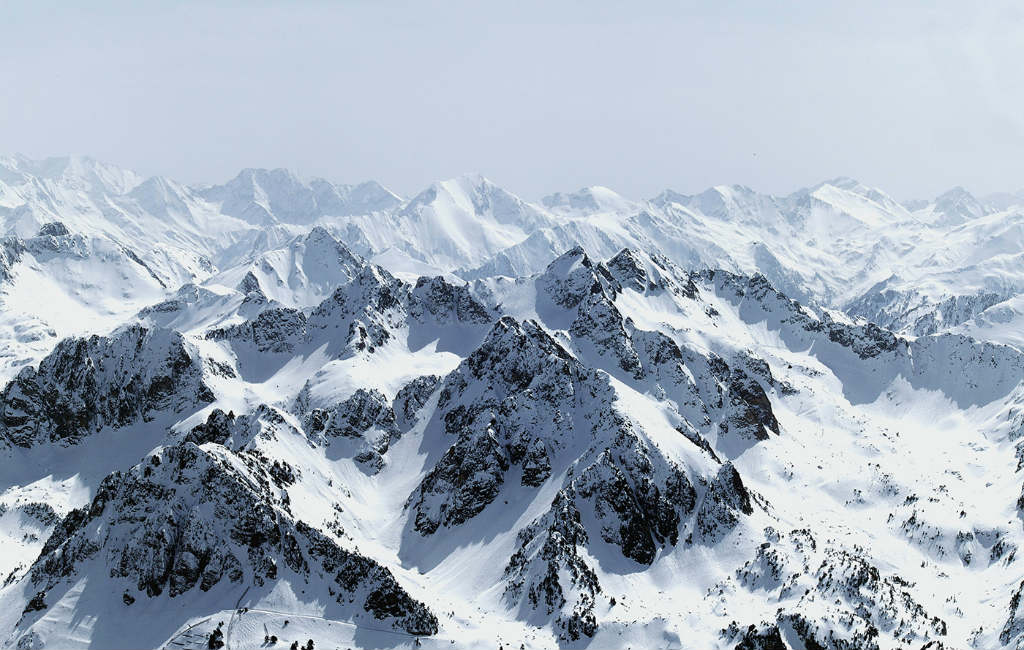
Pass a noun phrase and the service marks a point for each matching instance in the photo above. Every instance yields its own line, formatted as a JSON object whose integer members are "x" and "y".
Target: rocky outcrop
{"x": 866, "y": 341}
{"x": 866, "y": 358}
{"x": 411, "y": 398}
{"x": 638, "y": 497}
{"x": 724, "y": 500}
{"x": 1014, "y": 626}
{"x": 11, "y": 250}
{"x": 833, "y": 597}
{"x": 705, "y": 387}
{"x": 750, "y": 413}
{"x": 910, "y": 312}
{"x": 436, "y": 300}
{"x": 548, "y": 548}
{"x": 361, "y": 315}
{"x": 650, "y": 274}
{"x": 572, "y": 277}
{"x": 366, "y": 422}
{"x": 366, "y": 417}
{"x": 508, "y": 402}
{"x": 189, "y": 517}
{"x": 370, "y": 308}
{"x": 274, "y": 331}
{"x": 87, "y": 384}
{"x": 764, "y": 636}
{"x": 638, "y": 500}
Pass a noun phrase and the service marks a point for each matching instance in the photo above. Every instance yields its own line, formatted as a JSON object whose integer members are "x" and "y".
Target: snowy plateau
{"x": 279, "y": 410}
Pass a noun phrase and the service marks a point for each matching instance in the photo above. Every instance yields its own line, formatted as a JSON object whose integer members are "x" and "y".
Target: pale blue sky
{"x": 538, "y": 96}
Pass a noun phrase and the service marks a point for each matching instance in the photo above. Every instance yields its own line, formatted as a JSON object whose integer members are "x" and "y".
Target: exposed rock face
{"x": 628, "y": 268}
{"x": 851, "y": 599}
{"x": 725, "y": 498}
{"x": 650, "y": 274}
{"x": 436, "y": 300}
{"x": 752, "y": 413}
{"x": 704, "y": 387}
{"x": 366, "y": 416}
{"x": 866, "y": 341}
{"x": 952, "y": 363}
{"x": 238, "y": 432}
{"x": 37, "y": 604}
{"x": 548, "y": 548}
{"x": 639, "y": 501}
{"x": 217, "y": 428}
{"x": 755, "y": 637}
{"x": 519, "y": 381}
{"x": 11, "y": 249}
{"x": 55, "y": 239}
{"x": 190, "y": 517}
{"x": 600, "y": 324}
{"x": 366, "y": 421}
{"x": 276, "y": 330}
{"x": 572, "y": 277}
{"x": 412, "y": 398}
{"x": 87, "y": 384}
{"x": 1014, "y": 626}
{"x": 371, "y": 310}
{"x": 908, "y": 312}
{"x": 54, "y": 229}
{"x": 351, "y": 418}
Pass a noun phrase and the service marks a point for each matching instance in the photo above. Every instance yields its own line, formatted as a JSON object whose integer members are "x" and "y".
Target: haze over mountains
{"x": 726, "y": 419}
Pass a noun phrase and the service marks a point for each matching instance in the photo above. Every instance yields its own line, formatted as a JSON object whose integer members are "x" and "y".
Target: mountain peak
{"x": 575, "y": 256}
{"x": 75, "y": 172}
{"x": 868, "y": 205}
{"x": 266, "y": 196}
{"x": 465, "y": 219}
{"x": 161, "y": 196}
{"x": 470, "y": 180}
{"x": 843, "y": 182}
{"x": 251, "y": 175}
{"x": 957, "y": 206}
{"x": 460, "y": 188}
{"x": 593, "y": 199}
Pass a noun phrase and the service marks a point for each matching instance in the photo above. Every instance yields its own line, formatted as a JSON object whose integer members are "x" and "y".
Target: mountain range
{"x": 306, "y": 410}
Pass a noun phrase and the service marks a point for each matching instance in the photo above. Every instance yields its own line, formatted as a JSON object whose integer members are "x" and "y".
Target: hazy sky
{"x": 538, "y": 96}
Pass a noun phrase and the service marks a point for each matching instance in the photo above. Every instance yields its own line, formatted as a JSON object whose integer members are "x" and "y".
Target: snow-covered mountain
{"x": 291, "y": 410}
{"x": 265, "y": 196}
